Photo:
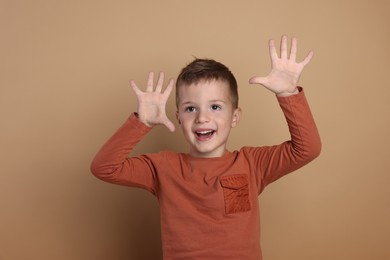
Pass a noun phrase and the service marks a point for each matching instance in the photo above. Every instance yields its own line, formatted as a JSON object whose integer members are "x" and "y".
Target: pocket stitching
{"x": 236, "y": 193}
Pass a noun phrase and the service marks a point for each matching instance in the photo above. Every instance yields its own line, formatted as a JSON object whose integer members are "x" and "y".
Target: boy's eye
{"x": 190, "y": 109}
{"x": 215, "y": 107}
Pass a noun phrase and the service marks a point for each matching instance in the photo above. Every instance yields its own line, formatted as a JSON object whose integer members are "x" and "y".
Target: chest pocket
{"x": 236, "y": 193}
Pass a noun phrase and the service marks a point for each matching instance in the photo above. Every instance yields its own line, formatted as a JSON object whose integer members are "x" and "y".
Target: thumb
{"x": 135, "y": 88}
{"x": 168, "y": 123}
{"x": 258, "y": 80}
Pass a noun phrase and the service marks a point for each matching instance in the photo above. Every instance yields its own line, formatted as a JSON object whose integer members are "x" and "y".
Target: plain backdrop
{"x": 64, "y": 72}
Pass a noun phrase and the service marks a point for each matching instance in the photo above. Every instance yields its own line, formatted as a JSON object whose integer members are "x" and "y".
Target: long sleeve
{"x": 304, "y": 146}
{"x": 112, "y": 164}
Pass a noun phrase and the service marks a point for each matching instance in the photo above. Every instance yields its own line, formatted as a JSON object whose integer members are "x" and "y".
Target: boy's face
{"x": 206, "y": 115}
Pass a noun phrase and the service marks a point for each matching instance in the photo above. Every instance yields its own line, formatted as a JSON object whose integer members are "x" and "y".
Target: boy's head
{"x": 207, "y": 106}
{"x": 207, "y": 70}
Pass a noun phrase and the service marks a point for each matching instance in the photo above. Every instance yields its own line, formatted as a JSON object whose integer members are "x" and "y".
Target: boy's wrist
{"x": 142, "y": 121}
{"x": 288, "y": 93}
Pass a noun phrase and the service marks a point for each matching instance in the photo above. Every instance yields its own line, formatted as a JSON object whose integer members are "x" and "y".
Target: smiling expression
{"x": 206, "y": 115}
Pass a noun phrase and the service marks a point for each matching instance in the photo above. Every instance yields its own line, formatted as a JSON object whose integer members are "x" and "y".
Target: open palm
{"x": 284, "y": 76}
{"x": 152, "y": 102}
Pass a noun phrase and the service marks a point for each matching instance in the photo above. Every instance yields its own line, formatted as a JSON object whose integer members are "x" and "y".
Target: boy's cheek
{"x": 184, "y": 117}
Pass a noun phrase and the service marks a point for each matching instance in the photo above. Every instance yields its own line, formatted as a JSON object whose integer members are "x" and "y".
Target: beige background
{"x": 64, "y": 71}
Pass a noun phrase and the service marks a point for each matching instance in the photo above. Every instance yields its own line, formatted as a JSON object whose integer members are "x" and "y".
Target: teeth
{"x": 204, "y": 132}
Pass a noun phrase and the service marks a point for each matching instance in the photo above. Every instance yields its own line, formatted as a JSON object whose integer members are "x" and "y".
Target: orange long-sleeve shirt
{"x": 209, "y": 206}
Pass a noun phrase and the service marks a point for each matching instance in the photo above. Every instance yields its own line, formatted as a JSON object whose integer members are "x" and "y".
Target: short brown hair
{"x": 207, "y": 69}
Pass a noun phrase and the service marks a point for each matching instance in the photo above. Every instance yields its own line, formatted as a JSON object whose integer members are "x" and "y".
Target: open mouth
{"x": 204, "y": 134}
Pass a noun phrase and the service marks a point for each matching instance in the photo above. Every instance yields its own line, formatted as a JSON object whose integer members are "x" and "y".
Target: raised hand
{"x": 284, "y": 76}
{"x": 152, "y": 102}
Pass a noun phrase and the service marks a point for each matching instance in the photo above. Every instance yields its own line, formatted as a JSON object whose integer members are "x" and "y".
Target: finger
{"x": 169, "y": 88}
{"x": 283, "y": 47}
{"x": 135, "y": 88}
{"x": 160, "y": 82}
{"x": 149, "y": 85}
{"x": 293, "y": 52}
{"x": 272, "y": 50}
{"x": 308, "y": 58}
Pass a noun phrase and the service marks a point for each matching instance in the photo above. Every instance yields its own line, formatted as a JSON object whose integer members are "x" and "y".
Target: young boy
{"x": 209, "y": 196}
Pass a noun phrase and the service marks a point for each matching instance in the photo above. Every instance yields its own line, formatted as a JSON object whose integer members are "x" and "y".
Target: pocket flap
{"x": 234, "y": 182}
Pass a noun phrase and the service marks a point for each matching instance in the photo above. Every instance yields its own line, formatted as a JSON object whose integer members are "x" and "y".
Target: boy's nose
{"x": 202, "y": 117}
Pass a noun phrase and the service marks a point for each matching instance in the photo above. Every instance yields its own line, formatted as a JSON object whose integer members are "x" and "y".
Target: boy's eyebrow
{"x": 217, "y": 100}
{"x": 210, "y": 101}
{"x": 185, "y": 103}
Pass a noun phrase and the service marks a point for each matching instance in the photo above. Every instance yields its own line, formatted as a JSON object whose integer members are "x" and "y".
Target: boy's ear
{"x": 236, "y": 117}
{"x": 177, "y": 117}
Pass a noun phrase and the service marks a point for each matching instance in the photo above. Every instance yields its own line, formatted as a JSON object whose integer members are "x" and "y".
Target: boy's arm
{"x": 111, "y": 163}
{"x": 304, "y": 146}
{"x": 305, "y": 143}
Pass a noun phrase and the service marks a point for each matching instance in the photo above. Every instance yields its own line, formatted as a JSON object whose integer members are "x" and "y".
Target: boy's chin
{"x": 206, "y": 153}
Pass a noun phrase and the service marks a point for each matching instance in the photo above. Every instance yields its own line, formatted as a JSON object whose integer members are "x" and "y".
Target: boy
{"x": 208, "y": 197}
